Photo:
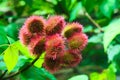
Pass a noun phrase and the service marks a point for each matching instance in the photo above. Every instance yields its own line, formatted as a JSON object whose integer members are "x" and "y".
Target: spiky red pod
{"x": 72, "y": 28}
{"x": 77, "y": 42}
{"x": 70, "y": 59}
{"x": 24, "y": 36}
{"x": 54, "y": 46}
{"x": 55, "y": 24}
{"x": 37, "y": 45}
{"x": 35, "y": 24}
{"x": 52, "y": 65}
{"x": 61, "y": 50}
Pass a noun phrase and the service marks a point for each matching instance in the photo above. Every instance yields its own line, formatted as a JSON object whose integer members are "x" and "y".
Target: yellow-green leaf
{"x": 11, "y": 57}
{"x": 40, "y": 61}
{"x": 23, "y": 49}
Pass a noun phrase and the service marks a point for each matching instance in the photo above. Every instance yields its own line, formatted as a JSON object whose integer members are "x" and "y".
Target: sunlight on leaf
{"x": 79, "y": 77}
{"x": 107, "y": 74}
{"x": 40, "y": 61}
{"x": 11, "y": 57}
{"x": 113, "y": 29}
{"x": 113, "y": 51}
{"x": 23, "y": 49}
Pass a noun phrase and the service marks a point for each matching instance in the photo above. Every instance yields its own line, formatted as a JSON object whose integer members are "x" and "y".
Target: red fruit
{"x": 54, "y": 46}
{"x": 52, "y": 65}
{"x": 37, "y": 45}
{"x": 61, "y": 50}
{"x": 71, "y": 29}
{"x": 77, "y": 42}
{"x": 24, "y": 36}
{"x": 71, "y": 59}
{"x": 55, "y": 24}
{"x": 35, "y": 24}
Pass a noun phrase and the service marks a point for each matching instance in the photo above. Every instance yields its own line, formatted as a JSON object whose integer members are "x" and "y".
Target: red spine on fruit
{"x": 52, "y": 65}
{"x": 37, "y": 45}
{"x": 24, "y": 36}
{"x": 70, "y": 59}
{"x": 35, "y": 24}
{"x": 72, "y": 28}
{"x": 55, "y": 24}
{"x": 77, "y": 42}
{"x": 54, "y": 46}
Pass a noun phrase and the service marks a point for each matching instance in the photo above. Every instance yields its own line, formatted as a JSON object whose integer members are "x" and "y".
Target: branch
{"x": 3, "y": 74}
{"x": 84, "y": 69}
{"x": 92, "y": 20}
{"x": 22, "y": 70}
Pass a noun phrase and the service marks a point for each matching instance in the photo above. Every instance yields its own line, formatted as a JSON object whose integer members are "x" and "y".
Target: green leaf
{"x": 39, "y": 9}
{"x": 29, "y": 2}
{"x": 4, "y": 7}
{"x": 89, "y": 5}
{"x": 79, "y": 77}
{"x": 34, "y": 73}
{"x": 113, "y": 51}
{"x": 10, "y": 40}
{"x": 53, "y": 1}
{"x": 23, "y": 49}
{"x": 111, "y": 74}
{"x": 116, "y": 61}
{"x": 72, "y": 3}
{"x": 12, "y": 30}
{"x": 2, "y": 64}
{"x": 21, "y": 62}
{"x": 75, "y": 11}
{"x": 94, "y": 76}
{"x": 96, "y": 38}
{"x": 88, "y": 28}
{"x": 107, "y": 74}
{"x": 3, "y": 37}
{"x": 11, "y": 57}
{"x": 112, "y": 67}
{"x": 3, "y": 40}
{"x": 40, "y": 61}
{"x": 113, "y": 29}
{"x": 107, "y": 7}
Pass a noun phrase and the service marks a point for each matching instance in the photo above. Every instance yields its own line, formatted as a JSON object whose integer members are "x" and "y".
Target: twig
{"x": 92, "y": 20}
{"x": 84, "y": 69}
{"x": 4, "y": 45}
{"x": 3, "y": 74}
{"x": 22, "y": 70}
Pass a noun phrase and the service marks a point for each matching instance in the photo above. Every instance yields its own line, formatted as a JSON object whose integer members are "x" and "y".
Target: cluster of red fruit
{"x": 62, "y": 42}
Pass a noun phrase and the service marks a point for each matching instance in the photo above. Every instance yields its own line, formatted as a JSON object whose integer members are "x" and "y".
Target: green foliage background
{"x": 101, "y": 57}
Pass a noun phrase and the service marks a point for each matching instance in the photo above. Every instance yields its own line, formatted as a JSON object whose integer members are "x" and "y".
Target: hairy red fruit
{"x": 62, "y": 44}
{"x": 37, "y": 45}
{"x": 35, "y": 24}
{"x": 24, "y": 36}
{"x": 55, "y": 24}
{"x": 77, "y": 42}
{"x": 54, "y": 46}
{"x": 52, "y": 65}
{"x": 70, "y": 59}
{"x": 72, "y": 28}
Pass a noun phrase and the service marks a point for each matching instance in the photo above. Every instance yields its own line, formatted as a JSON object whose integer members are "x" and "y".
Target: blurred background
{"x": 101, "y": 21}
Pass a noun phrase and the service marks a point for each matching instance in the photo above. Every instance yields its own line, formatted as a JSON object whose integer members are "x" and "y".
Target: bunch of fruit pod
{"x": 62, "y": 42}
